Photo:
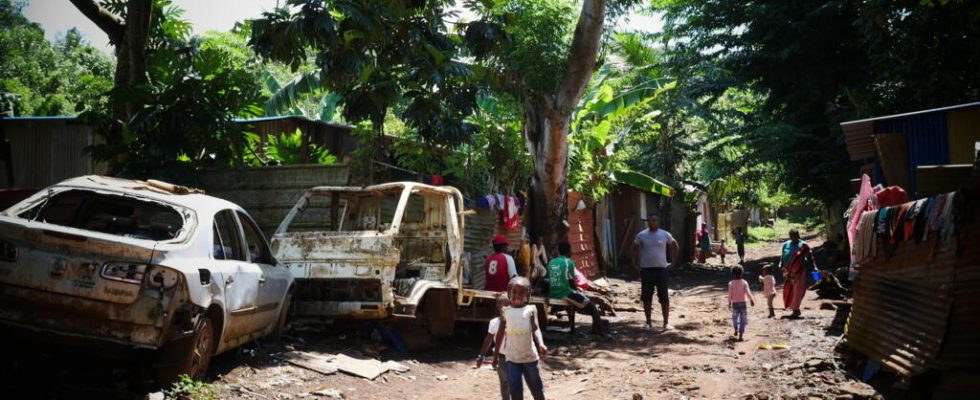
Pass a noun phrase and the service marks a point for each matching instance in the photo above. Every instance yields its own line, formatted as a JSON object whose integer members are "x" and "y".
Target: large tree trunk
{"x": 546, "y": 138}
{"x": 546, "y": 121}
{"x": 130, "y": 40}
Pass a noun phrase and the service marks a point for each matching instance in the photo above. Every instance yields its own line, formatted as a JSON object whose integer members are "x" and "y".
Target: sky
{"x": 57, "y": 16}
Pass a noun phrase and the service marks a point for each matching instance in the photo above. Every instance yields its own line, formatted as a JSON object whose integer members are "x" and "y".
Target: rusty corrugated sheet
{"x": 857, "y": 135}
{"x": 897, "y": 320}
{"x": 268, "y": 193}
{"x": 48, "y": 150}
{"x": 581, "y": 235}
{"x": 480, "y": 229}
{"x": 920, "y": 308}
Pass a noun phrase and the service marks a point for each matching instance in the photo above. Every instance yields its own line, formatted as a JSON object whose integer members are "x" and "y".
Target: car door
{"x": 274, "y": 280}
{"x": 240, "y": 276}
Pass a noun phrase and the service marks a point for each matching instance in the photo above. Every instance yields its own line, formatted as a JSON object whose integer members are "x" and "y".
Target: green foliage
{"x": 188, "y": 389}
{"x": 287, "y": 148}
{"x": 41, "y": 78}
{"x": 535, "y": 52}
{"x": 195, "y": 87}
{"x": 811, "y": 65}
{"x": 375, "y": 54}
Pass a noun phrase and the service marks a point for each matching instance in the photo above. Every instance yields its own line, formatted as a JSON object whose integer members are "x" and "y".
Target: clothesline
{"x": 880, "y": 231}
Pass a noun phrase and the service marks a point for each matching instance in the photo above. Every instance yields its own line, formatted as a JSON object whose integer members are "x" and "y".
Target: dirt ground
{"x": 699, "y": 359}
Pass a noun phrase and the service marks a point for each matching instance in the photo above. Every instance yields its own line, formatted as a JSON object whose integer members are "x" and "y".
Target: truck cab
{"x": 392, "y": 250}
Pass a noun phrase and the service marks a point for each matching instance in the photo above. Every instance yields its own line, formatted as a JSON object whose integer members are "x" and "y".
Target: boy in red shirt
{"x": 500, "y": 266}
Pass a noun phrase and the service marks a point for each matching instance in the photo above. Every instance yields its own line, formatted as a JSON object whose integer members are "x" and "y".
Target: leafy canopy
{"x": 39, "y": 78}
{"x": 376, "y": 53}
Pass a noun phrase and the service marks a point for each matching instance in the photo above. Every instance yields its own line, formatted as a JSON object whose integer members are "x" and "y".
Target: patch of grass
{"x": 188, "y": 389}
{"x": 760, "y": 235}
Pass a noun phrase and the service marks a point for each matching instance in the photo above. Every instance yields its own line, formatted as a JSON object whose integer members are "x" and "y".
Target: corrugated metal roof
{"x": 39, "y": 118}
{"x": 913, "y": 113}
{"x": 928, "y": 143}
{"x": 292, "y": 117}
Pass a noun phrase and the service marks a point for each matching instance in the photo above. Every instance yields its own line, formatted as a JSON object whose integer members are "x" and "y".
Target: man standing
{"x": 650, "y": 247}
{"x": 500, "y": 266}
{"x": 740, "y": 237}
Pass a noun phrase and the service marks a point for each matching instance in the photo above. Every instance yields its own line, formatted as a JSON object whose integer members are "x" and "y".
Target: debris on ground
{"x": 367, "y": 368}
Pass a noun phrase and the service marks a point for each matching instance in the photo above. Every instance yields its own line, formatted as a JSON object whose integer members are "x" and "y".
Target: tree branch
{"x": 111, "y": 24}
{"x": 582, "y": 55}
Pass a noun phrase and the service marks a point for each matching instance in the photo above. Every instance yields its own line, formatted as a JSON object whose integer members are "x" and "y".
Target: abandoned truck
{"x": 96, "y": 262}
{"x": 375, "y": 252}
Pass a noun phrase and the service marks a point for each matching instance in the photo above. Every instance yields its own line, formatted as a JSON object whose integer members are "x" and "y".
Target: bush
{"x": 188, "y": 389}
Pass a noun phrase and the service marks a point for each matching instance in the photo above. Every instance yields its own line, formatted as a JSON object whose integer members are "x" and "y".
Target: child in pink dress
{"x": 738, "y": 291}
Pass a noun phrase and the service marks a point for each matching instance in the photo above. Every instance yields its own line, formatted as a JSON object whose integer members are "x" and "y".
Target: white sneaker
{"x": 668, "y": 327}
{"x": 647, "y": 326}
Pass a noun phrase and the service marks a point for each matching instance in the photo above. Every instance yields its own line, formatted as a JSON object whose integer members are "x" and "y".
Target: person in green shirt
{"x": 561, "y": 274}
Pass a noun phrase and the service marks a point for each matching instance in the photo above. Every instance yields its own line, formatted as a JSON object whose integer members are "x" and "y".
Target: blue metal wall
{"x": 927, "y": 136}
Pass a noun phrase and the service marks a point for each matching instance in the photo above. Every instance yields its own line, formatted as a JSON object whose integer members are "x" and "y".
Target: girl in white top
{"x": 519, "y": 340}
{"x": 768, "y": 287}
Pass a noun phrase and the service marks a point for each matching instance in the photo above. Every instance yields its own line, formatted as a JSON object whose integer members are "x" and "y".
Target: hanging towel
{"x": 511, "y": 214}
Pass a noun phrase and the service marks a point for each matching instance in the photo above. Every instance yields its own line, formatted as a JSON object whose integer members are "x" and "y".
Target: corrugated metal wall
{"x": 581, "y": 235}
{"x": 480, "y": 229}
{"x": 268, "y": 193}
{"x": 927, "y": 136}
{"x": 47, "y": 151}
{"x": 920, "y": 309}
{"x": 337, "y": 139}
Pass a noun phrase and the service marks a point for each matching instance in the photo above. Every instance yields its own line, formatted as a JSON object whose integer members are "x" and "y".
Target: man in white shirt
{"x": 650, "y": 247}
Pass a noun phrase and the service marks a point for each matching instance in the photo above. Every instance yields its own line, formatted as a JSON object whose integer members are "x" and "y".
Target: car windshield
{"x": 107, "y": 213}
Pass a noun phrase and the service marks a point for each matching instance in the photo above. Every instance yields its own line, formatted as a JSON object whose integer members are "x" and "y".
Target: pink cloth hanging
{"x": 859, "y": 207}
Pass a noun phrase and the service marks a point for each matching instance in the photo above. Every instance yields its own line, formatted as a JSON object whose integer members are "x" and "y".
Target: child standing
{"x": 499, "y": 364}
{"x": 738, "y": 291}
{"x": 768, "y": 287}
{"x": 519, "y": 339}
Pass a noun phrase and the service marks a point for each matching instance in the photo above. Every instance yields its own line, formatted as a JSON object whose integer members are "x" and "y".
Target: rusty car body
{"x": 374, "y": 252}
{"x": 139, "y": 265}
{"x": 370, "y": 252}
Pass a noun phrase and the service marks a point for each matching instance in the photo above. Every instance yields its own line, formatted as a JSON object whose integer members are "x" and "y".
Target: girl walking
{"x": 738, "y": 291}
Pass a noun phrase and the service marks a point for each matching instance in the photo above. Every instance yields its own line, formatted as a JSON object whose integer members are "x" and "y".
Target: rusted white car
{"x": 139, "y": 265}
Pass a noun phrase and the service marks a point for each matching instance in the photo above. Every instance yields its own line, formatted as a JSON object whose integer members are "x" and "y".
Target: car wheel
{"x": 287, "y": 301}
{"x": 190, "y": 356}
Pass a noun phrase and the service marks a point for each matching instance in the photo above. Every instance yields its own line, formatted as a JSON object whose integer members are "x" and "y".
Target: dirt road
{"x": 699, "y": 359}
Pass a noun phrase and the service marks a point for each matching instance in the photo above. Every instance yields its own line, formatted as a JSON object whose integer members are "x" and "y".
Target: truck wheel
{"x": 190, "y": 356}
{"x": 276, "y": 334}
